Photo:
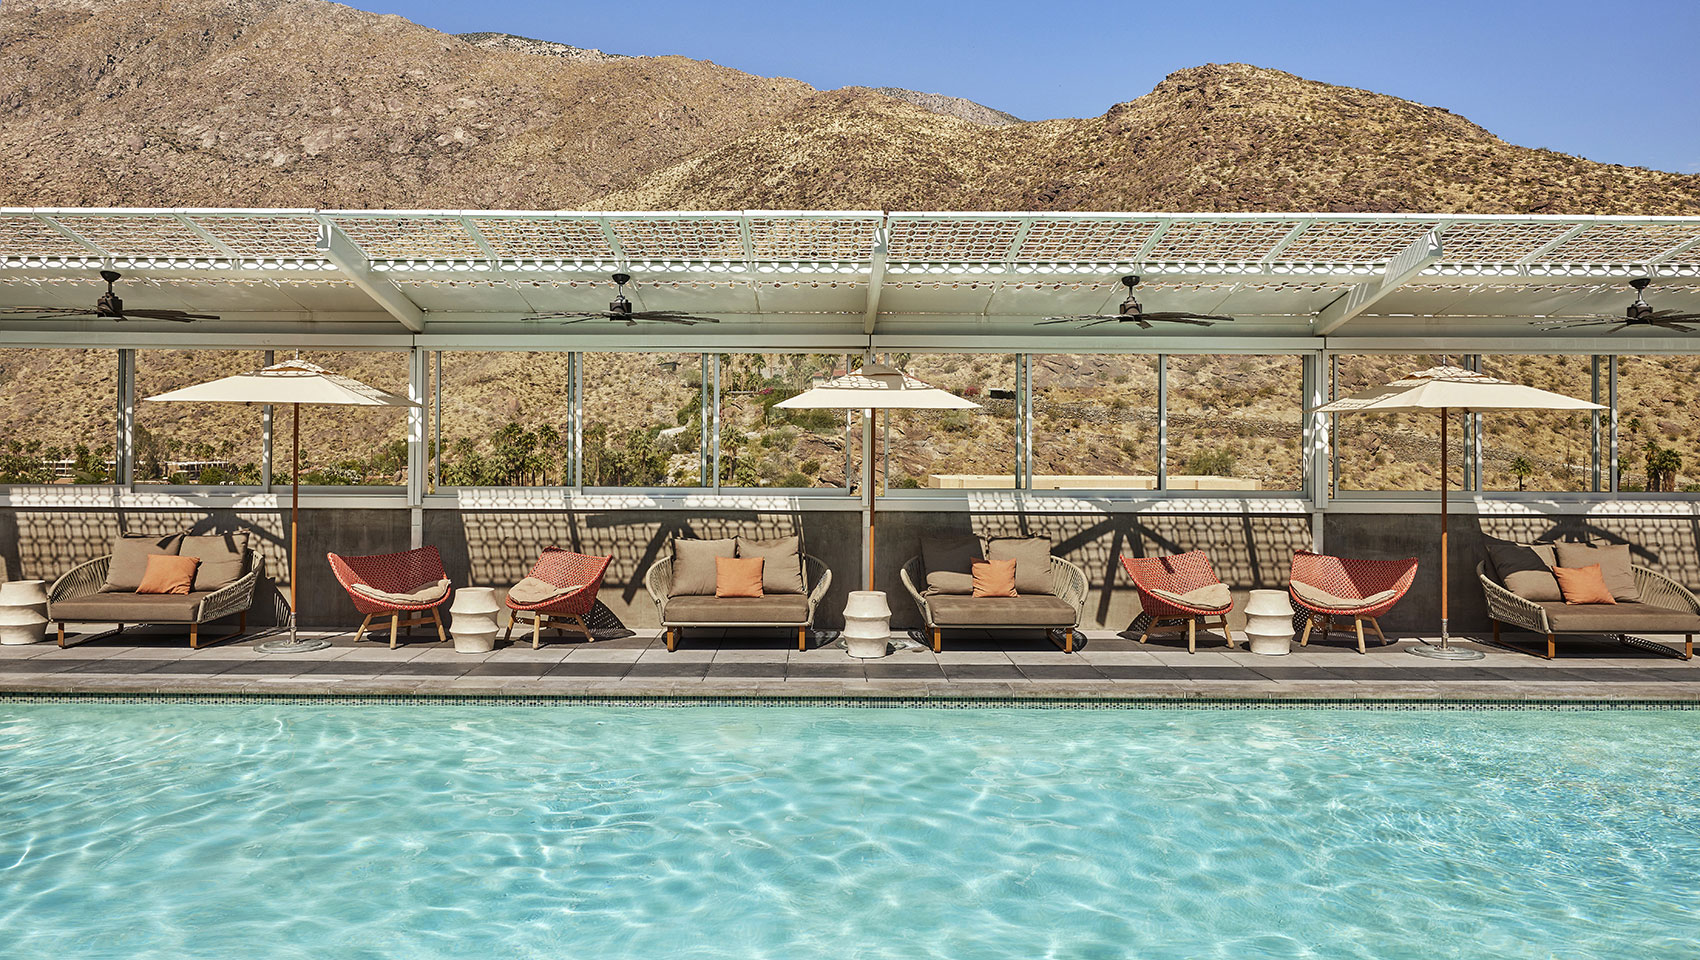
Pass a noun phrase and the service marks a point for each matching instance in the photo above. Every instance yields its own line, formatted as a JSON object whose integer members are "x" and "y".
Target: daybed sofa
{"x": 1522, "y": 591}
{"x": 1050, "y": 592}
{"x": 104, "y": 590}
{"x": 682, "y": 583}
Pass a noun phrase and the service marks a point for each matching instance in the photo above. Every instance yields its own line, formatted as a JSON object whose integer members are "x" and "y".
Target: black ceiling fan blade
{"x": 1186, "y": 320}
{"x": 1183, "y": 315}
{"x": 179, "y": 316}
{"x": 671, "y": 315}
{"x": 1572, "y": 324}
{"x": 1670, "y": 325}
{"x": 1102, "y": 320}
{"x": 1076, "y": 318}
{"x": 1669, "y": 315}
{"x": 43, "y": 313}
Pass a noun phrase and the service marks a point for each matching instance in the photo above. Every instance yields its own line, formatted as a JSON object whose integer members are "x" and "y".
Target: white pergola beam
{"x": 342, "y": 251}
{"x": 1410, "y": 261}
{"x": 876, "y": 280}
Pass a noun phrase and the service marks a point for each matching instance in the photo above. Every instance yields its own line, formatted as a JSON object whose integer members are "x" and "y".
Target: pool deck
{"x": 1107, "y": 666}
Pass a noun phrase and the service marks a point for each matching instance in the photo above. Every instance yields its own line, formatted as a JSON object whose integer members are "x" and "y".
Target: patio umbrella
{"x": 294, "y": 382}
{"x": 876, "y": 386}
{"x": 1447, "y": 389}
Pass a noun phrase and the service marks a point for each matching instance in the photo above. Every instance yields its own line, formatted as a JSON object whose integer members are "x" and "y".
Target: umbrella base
{"x": 292, "y": 645}
{"x": 1444, "y": 651}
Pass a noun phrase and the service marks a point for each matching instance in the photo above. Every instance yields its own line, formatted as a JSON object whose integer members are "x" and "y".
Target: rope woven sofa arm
{"x": 1661, "y": 591}
{"x": 234, "y": 597}
{"x": 1068, "y": 582}
{"x": 81, "y": 580}
{"x": 658, "y": 579}
{"x": 1508, "y": 607}
{"x": 820, "y": 580}
{"x": 910, "y": 571}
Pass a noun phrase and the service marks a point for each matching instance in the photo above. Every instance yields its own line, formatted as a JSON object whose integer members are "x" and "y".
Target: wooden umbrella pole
{"x": 1445, "y": 481}
{"x": 294, "y": 511}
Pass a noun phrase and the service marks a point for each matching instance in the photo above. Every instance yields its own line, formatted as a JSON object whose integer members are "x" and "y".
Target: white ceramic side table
{"x": 867, "y": 624}
{"x": 23, "y": 611}
{"x": 1269, "y": 622}
{"x": 472, "y": 620}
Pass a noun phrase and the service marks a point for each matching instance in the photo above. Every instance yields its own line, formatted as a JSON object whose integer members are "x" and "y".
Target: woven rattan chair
{"x": 579, "y": 573}
{"x": 1368, "y": 582}
{"x": 1665, "y": 607}
{"x": 393, "y": 573}
{"x": 1061, "y": 609}
{"x": 1176, "y": 574}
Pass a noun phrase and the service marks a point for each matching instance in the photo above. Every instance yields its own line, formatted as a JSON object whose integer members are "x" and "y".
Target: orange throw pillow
{"x": 1578, "y": 584}
{"x": 994, "y": 578}
{"x": 167, "y": 574}
{"x": 737, "y": 576}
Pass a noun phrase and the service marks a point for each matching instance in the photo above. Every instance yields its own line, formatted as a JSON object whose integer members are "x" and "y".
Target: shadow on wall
{"x": 497, "y": 548}
{"x": 1248, "y": 552}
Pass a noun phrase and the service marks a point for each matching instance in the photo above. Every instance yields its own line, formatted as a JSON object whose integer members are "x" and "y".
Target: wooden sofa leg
{"x": 1359, "y": 623}
{"x": 802, "y": 638}
{"x": 1192, "y": 635}
{"x": 1068, "y": 640}
{"x": 1552, "y": 647}
{"x": 1688, "y": 647}
{"x": 194, "y": 636}
{"x": 1496, "y": 631}
{"x": 672, "y": 640}
{"x": 61, "y": 633}
{"x": 938, "y": 640}
{"x": 395, "y": 628}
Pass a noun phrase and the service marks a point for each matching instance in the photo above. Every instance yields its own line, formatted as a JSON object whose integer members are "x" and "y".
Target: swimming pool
{"x": 440, "y": 831}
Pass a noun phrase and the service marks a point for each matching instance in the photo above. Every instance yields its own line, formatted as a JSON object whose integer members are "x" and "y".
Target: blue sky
{"x": 1615, "y": 82}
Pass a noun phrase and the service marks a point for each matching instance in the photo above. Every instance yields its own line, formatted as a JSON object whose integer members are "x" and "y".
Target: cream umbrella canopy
{"x": 875, "y": 386}
{"x": 293, "y": 382}
{"x": 1448, "y": 389}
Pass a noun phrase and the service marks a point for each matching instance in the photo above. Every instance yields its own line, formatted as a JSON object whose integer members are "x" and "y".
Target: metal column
{"x": 268, "y": 428}
{"x": 1162, "y": 421}
{"x": 418, "y": 385}
{"x": 124, "y": 448}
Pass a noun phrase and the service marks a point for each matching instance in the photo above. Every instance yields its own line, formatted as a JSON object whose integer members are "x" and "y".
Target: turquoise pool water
{"x": 403, "y": 832}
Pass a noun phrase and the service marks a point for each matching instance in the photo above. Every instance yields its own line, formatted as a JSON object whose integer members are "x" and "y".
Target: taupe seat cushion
{"x": 1316, "y": 596}
{"x": 424, "y": 593}
{"x": 532, "y": 591}
{"x": 1034, "y": 610}
{"x": 1211, "y": 596}
{"x": 1627, "y": 617}
{"x": 130, "y": 607}
{"x": 779, "y": 608}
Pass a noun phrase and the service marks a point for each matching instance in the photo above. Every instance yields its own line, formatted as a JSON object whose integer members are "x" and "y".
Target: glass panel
{"x": 955, "y": 449}
{"x": 1658, "y": 432}
{"x": 58, "y": 416}
{"x": 217, "y": 444}
{"x": 1391, "y": 451}
{"x": 505, "y": 419}
{"x": 1094, "y": 421}
{"x": 344, "y": 446}
{"x": 642, "y": 425}
{"x": 1545, "y": 450}
{"x": 764, "y": 447}
{"x": 1236, "y": 422}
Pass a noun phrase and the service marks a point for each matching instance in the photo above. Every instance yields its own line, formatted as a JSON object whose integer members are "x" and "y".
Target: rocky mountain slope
{"x": 305, "y": 102}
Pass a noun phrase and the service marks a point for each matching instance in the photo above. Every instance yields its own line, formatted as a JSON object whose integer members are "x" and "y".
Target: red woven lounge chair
{"x": 1360, "y": 589}
{"x": 398, "y": 574}
{"x": 1174, "y": 575}
{"x": 577, "y": 572}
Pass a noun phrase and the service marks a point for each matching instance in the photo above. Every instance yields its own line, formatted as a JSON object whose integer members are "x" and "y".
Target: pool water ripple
{"x": 142, "y": 831}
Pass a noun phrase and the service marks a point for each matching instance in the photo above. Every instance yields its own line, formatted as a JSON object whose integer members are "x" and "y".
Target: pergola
{"x": 851, "y": 282}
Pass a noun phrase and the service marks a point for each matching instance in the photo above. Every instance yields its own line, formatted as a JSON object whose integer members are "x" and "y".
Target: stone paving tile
{"x": 571, "y": 667}
{"x": 1219, "y": 673}
{"x": 681, "y": 655}
{"x": 192, "y": 666}
{"x": 981, "y": 671}
{"x": 1060, "y": 671}
{"x": 492, "y": 668}
{"x": 881, "y": 670}
{"x": 746, "y": 669}
{"x": 803, "y": 670}
{"x": 1139, "y": 672}
{"x": 601, "y": 654}
{"x": 34, "y": 667}
{"x": 775, "y": 654}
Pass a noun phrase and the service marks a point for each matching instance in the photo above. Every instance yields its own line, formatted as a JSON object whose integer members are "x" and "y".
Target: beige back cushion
{"x": 782, "y": 562}
{"x": 1032, "y": 556}
{"x": 130, "y": 559}
{"x": 693, "y": 565}
{"x": 223, "y": 556}
{"x": 1526, "y": 569}
{"x": 1614, "y": 566}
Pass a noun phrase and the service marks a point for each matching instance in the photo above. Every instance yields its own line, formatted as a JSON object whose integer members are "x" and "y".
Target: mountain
{"x": 309, "y": 103}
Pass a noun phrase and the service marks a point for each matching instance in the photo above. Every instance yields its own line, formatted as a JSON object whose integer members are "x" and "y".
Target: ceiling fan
{"x": 1131, "y": 312}
{"x": 108, "y": 307}
{"x": 620, "y": 311}
{"x": 1638, "y": 314}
